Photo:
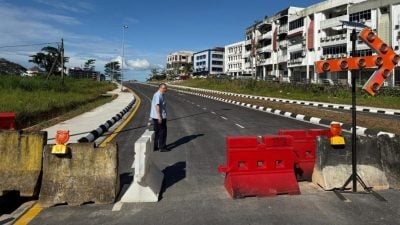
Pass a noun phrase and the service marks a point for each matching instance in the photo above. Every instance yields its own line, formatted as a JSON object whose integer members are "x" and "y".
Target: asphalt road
{"x": 193, "y": 191}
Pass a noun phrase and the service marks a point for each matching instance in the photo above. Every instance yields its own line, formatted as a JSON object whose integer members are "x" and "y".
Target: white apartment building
{"x": 286, "y": 45}
{"x": 234, "y": 59}
{"x": 317, "y": 33}
{"x": 266, "y": 46}
{"x": 209, "y": 62}
{"x": 384, "y": 18}
{"x": 179, "y": 63}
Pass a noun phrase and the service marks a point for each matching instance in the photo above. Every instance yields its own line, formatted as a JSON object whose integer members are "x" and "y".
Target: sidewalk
{"x": 81, "y": 125}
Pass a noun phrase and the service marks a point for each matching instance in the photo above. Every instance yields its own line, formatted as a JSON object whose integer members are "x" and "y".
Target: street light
{"x": 123, "y": 49}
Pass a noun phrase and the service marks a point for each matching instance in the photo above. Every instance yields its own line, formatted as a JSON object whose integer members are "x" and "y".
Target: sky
{"x": 94, "y": 28}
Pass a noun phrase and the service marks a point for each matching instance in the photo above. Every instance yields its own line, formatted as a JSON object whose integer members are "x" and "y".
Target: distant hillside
{"x": 10, "y": 68}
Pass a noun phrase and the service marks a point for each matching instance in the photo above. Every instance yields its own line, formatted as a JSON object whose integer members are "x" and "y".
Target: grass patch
{"x": 35, "y": 100}
{"x": 387, "y": 97}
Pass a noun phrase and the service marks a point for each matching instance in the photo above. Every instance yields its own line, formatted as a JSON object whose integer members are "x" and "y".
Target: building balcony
{"x": 334, "y": 56}
{"x": 283, "y": 44}
{"x": 333, "y": 40}
{"x": 297, "y": 30}
{"x": 295, "y": 62}
{"x": 247, "y": 66}
{"x": 333, "y": 22}
{"x": 264, "y": 62}
{"x": 283, "y": 29}
{"x": 267, "y": 35}
{"x": 247, "y": 42}
{"x": 296, "y": 47}
{"x": 267, "y": 48}
{"x": 282, "y": 58}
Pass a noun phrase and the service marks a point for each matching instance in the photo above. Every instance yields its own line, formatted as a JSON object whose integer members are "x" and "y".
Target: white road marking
{"x": 239, "y": 125}
{"x": 213, "y": 113}
{"x": 198, "y": 105}
{"x": 117, "y": 206}
{"x": 224, "y": 118}
{"x": 205, "y": 108}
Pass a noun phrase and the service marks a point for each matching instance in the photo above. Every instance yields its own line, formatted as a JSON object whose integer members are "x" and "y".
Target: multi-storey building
{"x": 179, "y": 64}
{"x": 316, "y": 33}
{"x": 266, "y": 46}
{"x": 286, "y": 45}
{"x": 234, "y": 59}
{"x": 209, "y": 62}
{"x": 384, "y": 18}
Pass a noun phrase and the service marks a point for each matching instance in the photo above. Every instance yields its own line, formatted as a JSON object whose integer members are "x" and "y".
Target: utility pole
{"x": 62, "y": 60}
{"x": 122, "y": 61}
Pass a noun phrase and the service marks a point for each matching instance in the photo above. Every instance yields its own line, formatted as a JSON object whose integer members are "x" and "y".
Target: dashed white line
{"x": 213, "y": 113}
{"x": 224, "y": 118}
{"x": 198, "y": 105}
{"x": 239, "y": 125}
{"x": 204, "y": 108}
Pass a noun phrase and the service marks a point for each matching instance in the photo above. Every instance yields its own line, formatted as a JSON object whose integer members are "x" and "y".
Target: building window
{"x": 296, "y": 55}
{"x": 366, "y": 52}
{"x": 217, "y": 62}
{"x": 217, "y": 56}
{"x": 215, "y": 69}
{"x": 296, "y": 24}
{"x": 360, "y": 16}
{"x": 331, "y": 50}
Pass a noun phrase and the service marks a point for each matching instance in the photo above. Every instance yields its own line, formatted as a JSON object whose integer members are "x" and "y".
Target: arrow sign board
{"x": 385, "y": 61}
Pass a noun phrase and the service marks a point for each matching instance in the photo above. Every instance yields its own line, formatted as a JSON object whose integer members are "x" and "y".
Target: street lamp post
{"x": 123, "y": 52}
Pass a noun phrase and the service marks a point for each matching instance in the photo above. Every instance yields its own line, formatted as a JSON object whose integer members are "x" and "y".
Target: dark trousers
{"x": 160, "y": 133}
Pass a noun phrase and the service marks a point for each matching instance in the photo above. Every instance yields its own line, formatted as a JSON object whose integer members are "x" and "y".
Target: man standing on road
{"x": 159, "y": 115}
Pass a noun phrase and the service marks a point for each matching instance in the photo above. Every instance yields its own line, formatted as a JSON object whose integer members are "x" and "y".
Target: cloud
{"x": 139, "y": 64}
{"x": 25, "y": 25}
{"x": 131, "y": 20}
{"x": 135, "y": 64}
{"x": 71, "y": 6}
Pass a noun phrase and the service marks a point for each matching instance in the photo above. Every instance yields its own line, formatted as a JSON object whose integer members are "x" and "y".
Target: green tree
{"x": 89, "y": 65}
{"x": 47, "y": 57}
{"x": 157, "y": 74}
{"x": 113, "y": 70}
{"x": 188, "y": 68}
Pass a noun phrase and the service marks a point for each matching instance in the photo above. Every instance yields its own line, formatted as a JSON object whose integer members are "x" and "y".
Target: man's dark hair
{"x": 162, "y": 84}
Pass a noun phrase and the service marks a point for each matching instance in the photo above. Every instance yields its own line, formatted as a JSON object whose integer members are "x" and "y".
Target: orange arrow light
{"x": 386, "y": 60}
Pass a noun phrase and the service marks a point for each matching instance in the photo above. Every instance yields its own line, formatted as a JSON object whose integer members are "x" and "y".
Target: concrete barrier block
{"x": 21, "y": 161}
{"x": 86, "y": 174}
{"x": 148, "y": 178}
{"x": 390, "y": 151}
{"x": 333, "y": 166}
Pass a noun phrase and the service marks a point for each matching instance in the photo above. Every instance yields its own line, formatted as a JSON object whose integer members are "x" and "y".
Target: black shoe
{"x": 164, "y": 150}
{"x": 155, "y": 148}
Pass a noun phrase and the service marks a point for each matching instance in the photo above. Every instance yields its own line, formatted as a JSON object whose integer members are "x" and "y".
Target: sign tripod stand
{"x": 386, "y": 60}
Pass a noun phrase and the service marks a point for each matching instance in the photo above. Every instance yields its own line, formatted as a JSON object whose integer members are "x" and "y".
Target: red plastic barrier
{"x": 319, "y": 132}
{"x": 7, "y": 121}
{"x": 304, "y": 149}
{"x": 260, "y": 169}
